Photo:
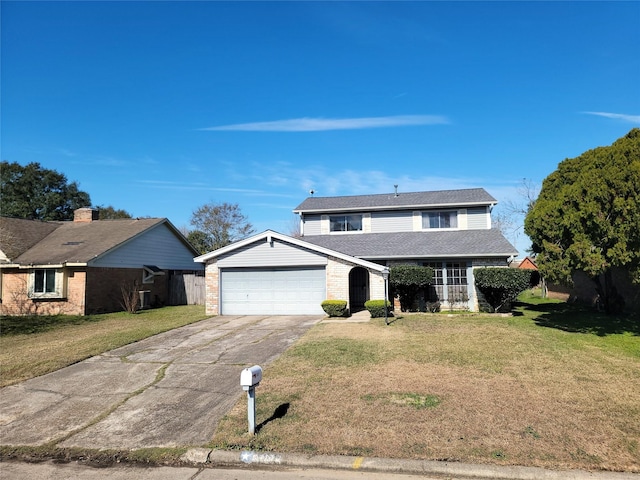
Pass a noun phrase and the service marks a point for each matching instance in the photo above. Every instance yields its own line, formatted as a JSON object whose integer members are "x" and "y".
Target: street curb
{"x": 388, "y": 465}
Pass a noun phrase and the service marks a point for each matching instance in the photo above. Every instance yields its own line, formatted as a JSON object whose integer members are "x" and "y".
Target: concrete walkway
{"x": 169, "y": 390}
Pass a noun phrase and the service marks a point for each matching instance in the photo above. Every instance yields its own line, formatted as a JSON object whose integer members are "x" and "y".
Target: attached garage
{"x": 272, "y": 291}
{"x": 274, "y": 274}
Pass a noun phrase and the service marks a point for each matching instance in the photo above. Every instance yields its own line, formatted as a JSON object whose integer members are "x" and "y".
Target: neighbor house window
{"x": 150, "y": 272}
{"x": 46, "y": 283}
{"x": 446, "y": 219}
{"x": 345, "y": 223}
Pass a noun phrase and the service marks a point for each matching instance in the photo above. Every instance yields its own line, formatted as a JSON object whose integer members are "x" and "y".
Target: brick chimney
{"x": 85, "y": 215}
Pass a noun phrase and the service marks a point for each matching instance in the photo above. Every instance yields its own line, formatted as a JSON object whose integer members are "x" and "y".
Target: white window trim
{"x": 60, "y": 285}
{"x": 348, "y": 232}
{"x": 426, "y": 212}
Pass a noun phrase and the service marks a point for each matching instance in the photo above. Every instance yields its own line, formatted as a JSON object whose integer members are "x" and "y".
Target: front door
{"x": 358, "y": 288}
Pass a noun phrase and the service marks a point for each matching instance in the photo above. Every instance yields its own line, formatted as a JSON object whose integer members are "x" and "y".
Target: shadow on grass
{"x": 580, "y": 319}
{"x": 280, "y": 411}
{"x": 29, "y": 324}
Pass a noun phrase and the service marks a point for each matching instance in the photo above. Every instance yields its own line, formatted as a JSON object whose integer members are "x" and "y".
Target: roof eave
{"x": 270, "y": 234}
{"x": 444, "y": 255}
{"x": 395, "y": 207}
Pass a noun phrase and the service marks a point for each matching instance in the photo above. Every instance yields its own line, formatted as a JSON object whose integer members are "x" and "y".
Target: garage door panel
{"x": 272, "y": 291}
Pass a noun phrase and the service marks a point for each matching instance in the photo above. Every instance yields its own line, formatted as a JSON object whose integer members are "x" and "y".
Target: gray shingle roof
{"x": 75, "y": 242}
{"x": 457, "y": 243}
{"x": 466, "y": 197}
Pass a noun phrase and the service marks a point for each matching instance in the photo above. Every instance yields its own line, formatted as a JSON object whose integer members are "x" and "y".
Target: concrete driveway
{"x": 169, "y": 390}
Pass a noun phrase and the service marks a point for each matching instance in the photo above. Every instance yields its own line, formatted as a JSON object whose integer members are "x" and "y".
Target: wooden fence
{"x": 186, "y": 289}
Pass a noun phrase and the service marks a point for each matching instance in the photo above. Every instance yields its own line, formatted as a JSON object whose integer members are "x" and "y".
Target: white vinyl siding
{"x": 272, "y": 291}
{"x": 270, "y": 254}
{"x": 383, "y": 222}
{"x": 477, "y": 218}
{"x": 158, "y": 246}
{"x": 312, "y": 225}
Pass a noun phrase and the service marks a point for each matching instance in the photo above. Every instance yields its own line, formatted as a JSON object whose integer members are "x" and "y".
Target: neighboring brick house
{"x": 81, "y": 267}
{"x": 346, "y": 247}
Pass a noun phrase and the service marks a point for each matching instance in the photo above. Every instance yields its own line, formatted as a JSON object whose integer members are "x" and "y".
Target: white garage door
{"x": 272, "y": 291}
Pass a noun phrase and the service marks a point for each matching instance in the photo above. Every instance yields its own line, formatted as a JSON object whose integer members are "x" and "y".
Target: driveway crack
{"x": 160, "y": 374}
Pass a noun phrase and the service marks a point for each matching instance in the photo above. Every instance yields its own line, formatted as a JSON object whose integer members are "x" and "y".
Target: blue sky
{"x": 160, "y": 107}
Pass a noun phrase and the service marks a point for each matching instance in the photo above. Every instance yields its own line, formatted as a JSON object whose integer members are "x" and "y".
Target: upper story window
{"x": 444, "y": 219}
{"x": 345, "y": 223}
{"x": 46, "y": 283}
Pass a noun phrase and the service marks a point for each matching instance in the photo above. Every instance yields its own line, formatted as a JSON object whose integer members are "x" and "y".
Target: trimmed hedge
{"x": 501, "y": 285}
{"x": 376, "y": 308}
{"x": 335, "y": 308}
{"x": 408, "y": 280}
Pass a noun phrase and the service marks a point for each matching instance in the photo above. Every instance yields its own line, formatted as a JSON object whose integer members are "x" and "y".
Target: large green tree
{"x": 37, "y": 193}
{"x": 111, "y": 213}
{"x": 587, "y": 217}
{"x": 218, "y": 225}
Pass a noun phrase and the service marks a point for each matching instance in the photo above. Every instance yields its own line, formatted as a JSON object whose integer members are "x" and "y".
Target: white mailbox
{"x": 250, "y": 377}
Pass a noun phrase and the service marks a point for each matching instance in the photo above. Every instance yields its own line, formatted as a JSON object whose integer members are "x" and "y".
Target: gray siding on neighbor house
{"x": 312, "y": 224}
{"x": 477, "y": 218}
{"x": 270, "y": 254}
{"x": 157, "y": 246}
{"x": 382, "y": 222}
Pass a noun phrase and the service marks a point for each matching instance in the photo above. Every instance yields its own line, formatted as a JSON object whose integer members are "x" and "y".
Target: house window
{"x": 445, "y": 219}
{"x": 449, "y": 282}
{"x": 46, "y": 283}
{"x": 435, "y": 291}
{"x": 149, "y": 273}
{"x": 345, "y": 223}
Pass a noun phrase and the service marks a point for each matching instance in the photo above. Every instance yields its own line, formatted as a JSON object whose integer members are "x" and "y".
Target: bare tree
{"x": 222, "y": 223}
{"x": 510, "y": 218}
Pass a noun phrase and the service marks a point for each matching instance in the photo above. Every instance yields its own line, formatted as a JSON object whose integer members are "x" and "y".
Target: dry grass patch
{"x": 479, "y": 389}
{"x": 30, "y": 346}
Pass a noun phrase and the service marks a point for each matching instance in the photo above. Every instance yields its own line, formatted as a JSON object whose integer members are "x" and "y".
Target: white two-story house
{"x": 346, "y": 246}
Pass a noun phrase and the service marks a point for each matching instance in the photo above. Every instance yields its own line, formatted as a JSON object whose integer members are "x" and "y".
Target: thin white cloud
{"x": 322, "y": 124}
{"x": 617, "y": 116}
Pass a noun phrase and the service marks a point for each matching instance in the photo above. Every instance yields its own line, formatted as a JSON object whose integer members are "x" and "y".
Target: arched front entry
{"x": 358, "y": 288}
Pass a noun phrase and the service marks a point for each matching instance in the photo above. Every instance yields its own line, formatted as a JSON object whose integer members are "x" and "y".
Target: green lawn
{"x": 553, "y": 386}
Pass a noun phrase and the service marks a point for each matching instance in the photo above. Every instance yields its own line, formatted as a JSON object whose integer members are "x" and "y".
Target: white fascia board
{"x": 270, "y": 234}
{"x": 48, "y": 265}
{"x": 457, "y": 255}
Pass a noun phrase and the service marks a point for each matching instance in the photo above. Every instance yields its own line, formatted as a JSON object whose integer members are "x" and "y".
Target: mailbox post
{"x": 249, "y": 379}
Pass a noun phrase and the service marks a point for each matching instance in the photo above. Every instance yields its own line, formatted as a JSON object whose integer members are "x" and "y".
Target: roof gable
{"x": 82, "y": 242}
{"x": 269, "y": 235}
{"x": 391, "y": 201}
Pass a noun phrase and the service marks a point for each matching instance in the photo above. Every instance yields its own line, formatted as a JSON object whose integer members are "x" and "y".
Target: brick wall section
{"x": 104, "y": 288}
{"x": 212, "y": 288}
{"x": 15, "y": 299}
{"x": 338, "y": 279}
{"x": 88, "y": 291}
